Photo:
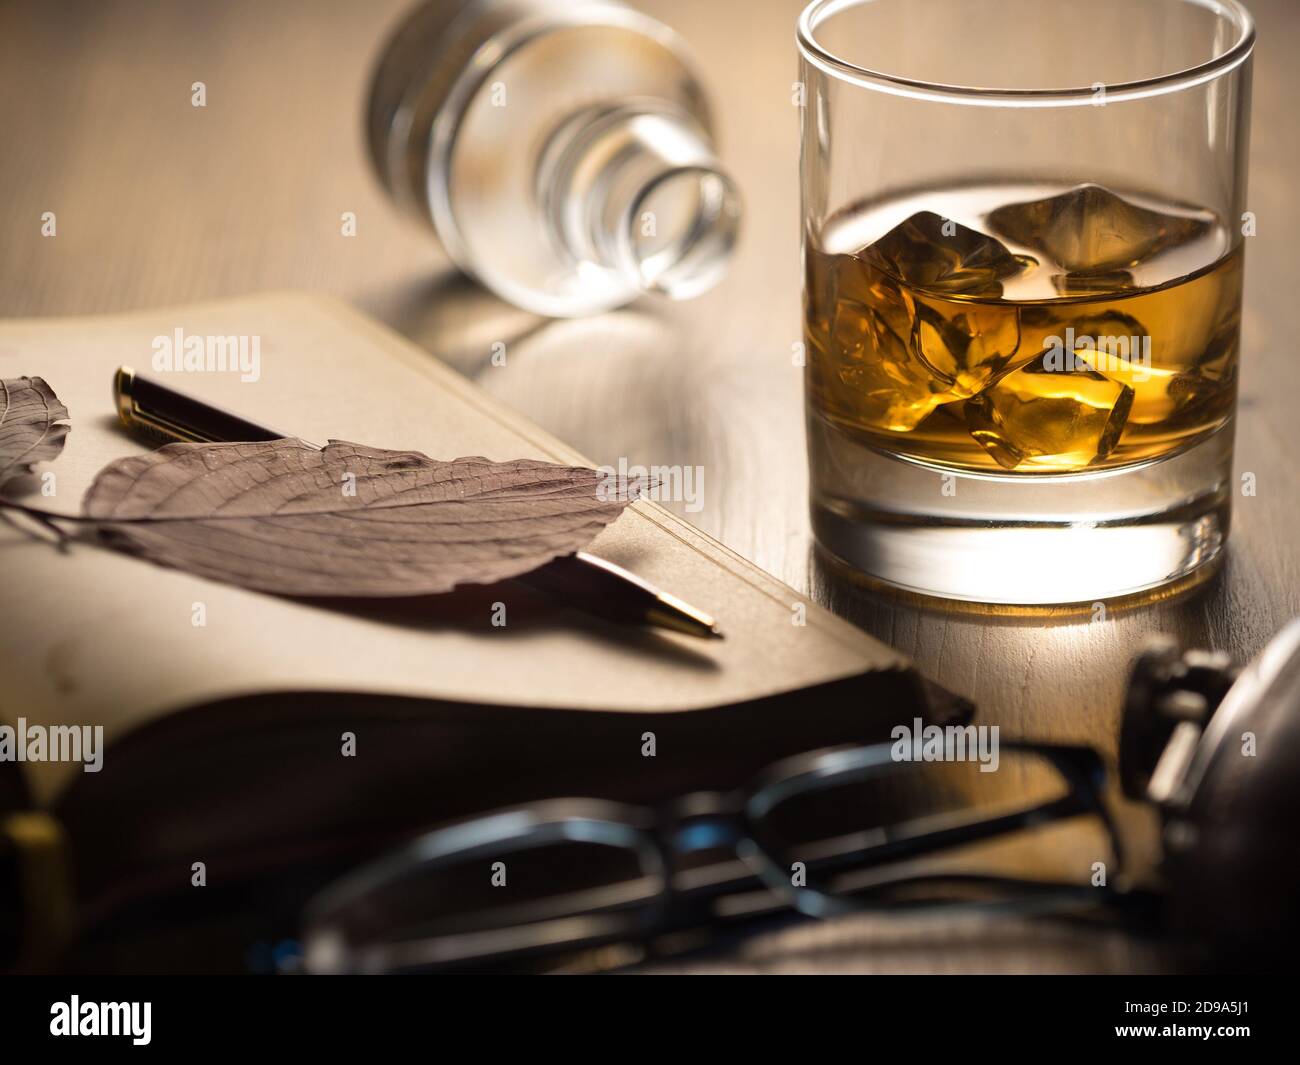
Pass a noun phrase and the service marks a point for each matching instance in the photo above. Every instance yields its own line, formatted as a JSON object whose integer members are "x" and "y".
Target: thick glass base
{"x": 1022, "y": 540}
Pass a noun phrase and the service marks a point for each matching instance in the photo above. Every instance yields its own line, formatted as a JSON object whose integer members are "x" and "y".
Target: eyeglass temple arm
{"x": 958, "y": 835}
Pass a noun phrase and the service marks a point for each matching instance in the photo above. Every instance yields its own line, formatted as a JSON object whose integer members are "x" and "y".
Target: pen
{"x": 592, "y": 584}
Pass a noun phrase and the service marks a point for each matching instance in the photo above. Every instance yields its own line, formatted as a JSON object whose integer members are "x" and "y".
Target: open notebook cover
{"x": 226, "y": 735}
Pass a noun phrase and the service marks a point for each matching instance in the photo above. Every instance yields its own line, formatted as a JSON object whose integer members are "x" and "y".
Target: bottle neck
{"x": 638, "y": 191}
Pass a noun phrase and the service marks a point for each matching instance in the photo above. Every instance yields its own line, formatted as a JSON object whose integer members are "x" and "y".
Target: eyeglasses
{"x": 825, "y": 833}
{"x": 871, "y": 828}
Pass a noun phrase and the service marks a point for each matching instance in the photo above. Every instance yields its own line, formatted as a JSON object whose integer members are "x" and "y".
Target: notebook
{"x": 224, "y": 711}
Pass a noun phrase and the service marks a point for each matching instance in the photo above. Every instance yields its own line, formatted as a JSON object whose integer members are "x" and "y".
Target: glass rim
{"x": 1161, "y": 84}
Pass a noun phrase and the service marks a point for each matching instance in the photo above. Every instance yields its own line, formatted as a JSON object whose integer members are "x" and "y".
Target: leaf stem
{"x": 45, "y": 517}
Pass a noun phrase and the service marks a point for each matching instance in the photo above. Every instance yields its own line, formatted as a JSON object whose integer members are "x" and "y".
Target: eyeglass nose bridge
{"x": 702, "y": 821}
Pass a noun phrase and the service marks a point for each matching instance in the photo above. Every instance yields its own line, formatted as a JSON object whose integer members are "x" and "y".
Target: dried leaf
{"x": 278, "y": 516}
{"x": 33, "y": 425}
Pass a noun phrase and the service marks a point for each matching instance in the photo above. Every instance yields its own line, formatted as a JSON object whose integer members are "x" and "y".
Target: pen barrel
{"x": 573, "y": 579}
{"x": 193, "y": 416}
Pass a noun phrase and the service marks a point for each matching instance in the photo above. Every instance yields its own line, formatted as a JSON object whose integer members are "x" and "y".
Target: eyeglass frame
{"x": 704, "y": 820}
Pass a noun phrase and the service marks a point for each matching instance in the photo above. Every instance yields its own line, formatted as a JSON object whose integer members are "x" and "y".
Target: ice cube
{"x": 1049, "y": 420}
{"x": 937, "y": 254}
{"x": 1093, "y": 235}
{"x": 966, "y": 345}
{"x": 891, "y": 348}
{"x": 878, "y": 380}
{"x": 1107, "y": 283}
{"x": 1108, "y": 341}
{"x": 1203, "y": 392}
{"x": 867, "y": 312}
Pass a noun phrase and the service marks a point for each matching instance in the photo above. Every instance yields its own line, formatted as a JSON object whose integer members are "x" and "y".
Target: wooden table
{"x": 158, "y": 202}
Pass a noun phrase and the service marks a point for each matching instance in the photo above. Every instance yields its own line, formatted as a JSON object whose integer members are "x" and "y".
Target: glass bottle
{"x": 561, "y": 150}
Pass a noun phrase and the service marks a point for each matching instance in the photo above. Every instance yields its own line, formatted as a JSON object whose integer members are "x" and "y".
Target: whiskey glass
{"x": 1023, "y": 233}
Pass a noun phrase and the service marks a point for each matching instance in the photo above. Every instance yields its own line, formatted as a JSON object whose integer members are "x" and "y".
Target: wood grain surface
{"x": 158, "y": 202}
